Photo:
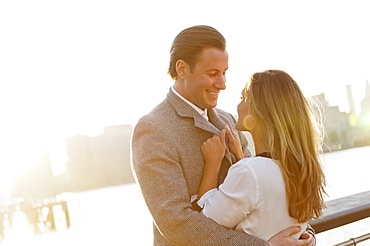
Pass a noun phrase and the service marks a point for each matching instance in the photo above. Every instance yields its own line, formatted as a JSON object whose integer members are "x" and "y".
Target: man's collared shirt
{"x": 200, "y": 111}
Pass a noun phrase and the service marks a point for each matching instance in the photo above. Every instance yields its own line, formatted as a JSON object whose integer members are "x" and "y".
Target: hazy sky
{"x": 75, "y": 66}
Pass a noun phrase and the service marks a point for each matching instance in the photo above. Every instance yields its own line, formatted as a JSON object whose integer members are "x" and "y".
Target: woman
{"x": 284, "y": 184}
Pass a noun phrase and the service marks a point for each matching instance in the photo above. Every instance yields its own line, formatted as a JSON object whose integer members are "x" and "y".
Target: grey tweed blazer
{"x": 167, "y": 164}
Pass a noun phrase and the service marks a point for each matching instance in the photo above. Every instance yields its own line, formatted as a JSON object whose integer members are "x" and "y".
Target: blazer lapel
{"x": 216, "y": 119}
{"x": 215, "y": 124}
{"x": 219, "y": 121}
{"x": 184, "y": 110}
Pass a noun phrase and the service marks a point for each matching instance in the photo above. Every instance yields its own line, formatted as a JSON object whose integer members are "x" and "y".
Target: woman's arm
{"x": 213, "y": 151}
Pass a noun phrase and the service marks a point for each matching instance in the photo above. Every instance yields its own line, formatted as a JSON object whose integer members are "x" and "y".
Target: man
{"x": 166, "y": 157}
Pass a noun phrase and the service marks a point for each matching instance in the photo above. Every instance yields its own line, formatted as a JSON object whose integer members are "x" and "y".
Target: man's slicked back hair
{"x": 190, "y": 43}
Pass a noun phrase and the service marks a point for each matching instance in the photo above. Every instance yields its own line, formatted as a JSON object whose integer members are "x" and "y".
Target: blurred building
{"x": 346, "y": 130}
{"x": 364, "y": 119}
{"x": 36, "y": 181}
{"x": 337, "y": 125}
{"x": 99, "y": 161}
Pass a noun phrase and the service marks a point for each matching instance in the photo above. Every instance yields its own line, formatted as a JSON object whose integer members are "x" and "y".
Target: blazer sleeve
{"x": 157, "y": 170}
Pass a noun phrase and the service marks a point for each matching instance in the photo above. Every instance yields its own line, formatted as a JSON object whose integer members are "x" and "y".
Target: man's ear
{"x": 181, "y": 69}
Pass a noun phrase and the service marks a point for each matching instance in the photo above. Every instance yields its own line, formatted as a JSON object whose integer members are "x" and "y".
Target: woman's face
{"x": 244, "y": 116}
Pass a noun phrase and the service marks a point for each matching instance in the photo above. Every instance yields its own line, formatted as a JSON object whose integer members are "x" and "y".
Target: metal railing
{"x": 354, "y": 241}
{"x": 344, "y": 211}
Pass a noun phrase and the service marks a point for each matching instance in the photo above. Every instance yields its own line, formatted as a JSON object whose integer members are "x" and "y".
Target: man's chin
{"x": 212, "y": 105}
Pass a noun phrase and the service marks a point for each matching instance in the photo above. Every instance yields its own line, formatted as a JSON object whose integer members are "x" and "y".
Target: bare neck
{"x": 259, "y": 144}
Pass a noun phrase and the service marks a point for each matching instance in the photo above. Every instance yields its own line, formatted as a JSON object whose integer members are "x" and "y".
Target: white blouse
{"x": 252, "y": 199}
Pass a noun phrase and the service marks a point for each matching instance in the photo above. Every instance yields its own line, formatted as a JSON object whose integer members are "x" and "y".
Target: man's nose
{"x": 221, "y": 82}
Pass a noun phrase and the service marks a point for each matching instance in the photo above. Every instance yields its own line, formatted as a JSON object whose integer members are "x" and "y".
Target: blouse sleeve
{"x": 235, "y": 198}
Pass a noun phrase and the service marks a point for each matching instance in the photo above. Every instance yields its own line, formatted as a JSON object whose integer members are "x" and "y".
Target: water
{"x": 118, "y": 216}
{"x": 347, "y": 173}
{"x": 111, "y": 216}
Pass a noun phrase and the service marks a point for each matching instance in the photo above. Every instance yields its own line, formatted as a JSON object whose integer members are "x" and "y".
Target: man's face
{"x": 203, "y": 85}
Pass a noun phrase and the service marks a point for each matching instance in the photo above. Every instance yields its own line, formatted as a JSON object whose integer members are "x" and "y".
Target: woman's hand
{"x": 234, "y": 143}
{"x": 213, "y": 150}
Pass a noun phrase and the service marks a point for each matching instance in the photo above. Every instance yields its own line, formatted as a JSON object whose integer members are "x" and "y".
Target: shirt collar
{"x": 203, "y": 113}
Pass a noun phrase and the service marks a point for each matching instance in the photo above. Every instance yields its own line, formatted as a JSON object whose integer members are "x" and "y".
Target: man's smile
{"x": 213, "y": 93}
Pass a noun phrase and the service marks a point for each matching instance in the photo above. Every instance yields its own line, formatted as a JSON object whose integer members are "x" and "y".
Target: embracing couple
{"x": 192, "y": 162}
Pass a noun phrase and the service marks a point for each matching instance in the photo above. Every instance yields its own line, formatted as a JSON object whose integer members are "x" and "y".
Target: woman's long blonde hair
{"x": 288, "y": 123}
